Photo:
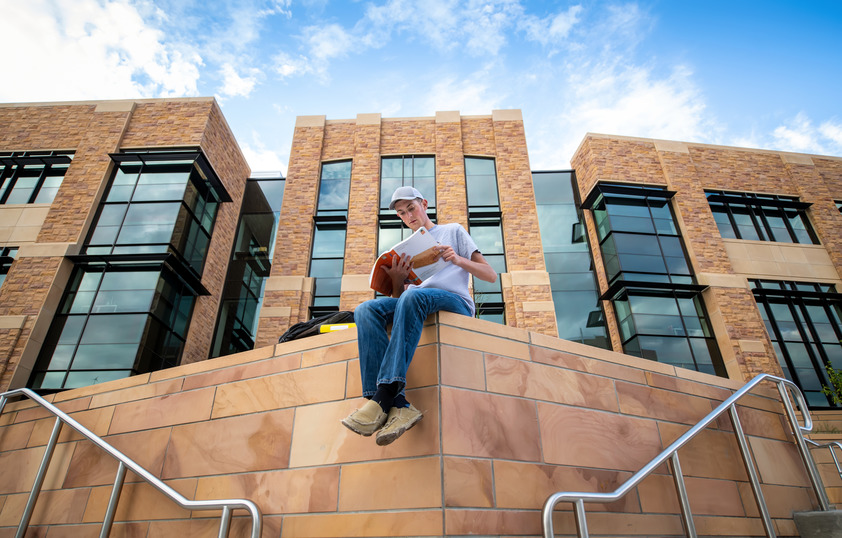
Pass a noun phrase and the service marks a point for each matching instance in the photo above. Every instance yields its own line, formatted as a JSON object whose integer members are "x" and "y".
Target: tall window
{"x": 761, "y": 217}
{"x": 131, "y": 295}
{"x": 417, "y": 171}
{"x": 654, "y": 292}
{"x": 249, "y": 266}
{"x": 331, "y": 224}
{"x": 486, "y": 228}
{"x": 7, "y": 256}
{"x": 158, "y": 206}
{"x": 804, "y": 322}
{"x": 32, "y": 177}
{"x": 579, "y": 315}
{"x": 113, "y": 322}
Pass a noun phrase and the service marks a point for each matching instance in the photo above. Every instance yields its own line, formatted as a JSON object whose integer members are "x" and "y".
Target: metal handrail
{"x": 670, "y": 454}
{"x": 125, "y": 463}
{"x": 830, "y": 445}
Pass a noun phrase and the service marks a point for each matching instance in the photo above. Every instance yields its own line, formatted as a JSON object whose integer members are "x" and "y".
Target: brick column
{"x": 361, "y": 239}
{"x": 530, "y": 295}
{"x": 451, "y": 194}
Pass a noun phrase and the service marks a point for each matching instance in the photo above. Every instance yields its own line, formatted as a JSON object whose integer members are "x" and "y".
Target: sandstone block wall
{"x": 511, "y": 416}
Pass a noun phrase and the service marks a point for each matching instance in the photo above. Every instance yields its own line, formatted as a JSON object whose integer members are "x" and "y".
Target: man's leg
{"x": 413, "y": 307}
{"x": 371, "y": 319}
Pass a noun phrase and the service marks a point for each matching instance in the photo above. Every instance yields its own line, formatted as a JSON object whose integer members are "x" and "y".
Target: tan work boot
{"x": 400, "y": 419}
{"x": 366, "y": 420}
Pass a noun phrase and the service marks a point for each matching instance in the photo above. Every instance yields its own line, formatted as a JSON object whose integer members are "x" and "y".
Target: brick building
{"x": 721, "y": 260}
{"x": 117, "y": 220}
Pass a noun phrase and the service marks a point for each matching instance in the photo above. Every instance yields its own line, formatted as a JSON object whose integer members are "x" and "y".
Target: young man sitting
{"x": 383, "y": 360}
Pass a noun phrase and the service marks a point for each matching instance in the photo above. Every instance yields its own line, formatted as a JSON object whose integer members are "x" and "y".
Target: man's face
{"x": 413, "y": 213}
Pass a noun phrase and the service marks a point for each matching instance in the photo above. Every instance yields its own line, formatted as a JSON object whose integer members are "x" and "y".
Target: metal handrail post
{"x": 39, "y": 480}
{"x": 581, "y": 519}
{"x": 748, "y": 461}
{"x": 806, "y": 457}
{"x": 225, "y": 522}
{"x": 683, "y": 500}
{"x": 116, "y": 490}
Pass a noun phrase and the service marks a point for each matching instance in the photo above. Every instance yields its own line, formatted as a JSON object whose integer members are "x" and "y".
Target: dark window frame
{"x": 759, "y": 209}
{"x": 798, "y": 298}
{"x": 21, "y": 164}
{"x": 329, "y": 219}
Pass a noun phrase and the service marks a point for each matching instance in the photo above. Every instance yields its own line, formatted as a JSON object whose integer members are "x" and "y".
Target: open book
{"x": 425, "y": 261}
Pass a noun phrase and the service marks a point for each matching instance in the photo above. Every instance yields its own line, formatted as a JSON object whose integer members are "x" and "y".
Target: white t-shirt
{"x": 453, "y": 278}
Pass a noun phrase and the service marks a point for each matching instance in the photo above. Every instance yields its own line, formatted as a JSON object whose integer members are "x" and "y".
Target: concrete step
{"x": 819, "y": 524}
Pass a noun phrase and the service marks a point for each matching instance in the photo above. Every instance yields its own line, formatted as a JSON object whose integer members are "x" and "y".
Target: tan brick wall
{"x": 48, "y": 126}
{"x": 363, "y": 202}
{"x": 689, "y": 169}
{"x": 23, "y": 293}
{"x": 451, "y": 196}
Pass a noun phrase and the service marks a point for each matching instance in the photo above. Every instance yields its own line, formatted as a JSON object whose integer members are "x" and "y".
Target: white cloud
{"x": 86, "y": 49}
{"x": 234, "y": 84}
{"x": 287, "y": 66}
{"x": 833, "y": 132}
{"x": 469, "y": 96}
{"x": 551, "y": 29}
{"x": 620, "y": 100}
{"x": 801, "y": 136}
{"x": 260, "y": 158}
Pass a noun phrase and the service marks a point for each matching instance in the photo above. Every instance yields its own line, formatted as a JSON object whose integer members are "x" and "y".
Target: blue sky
{"x": 761, "y": 74}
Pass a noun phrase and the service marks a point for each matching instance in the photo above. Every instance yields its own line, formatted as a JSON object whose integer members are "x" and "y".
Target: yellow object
{"x": 335, "y": 327}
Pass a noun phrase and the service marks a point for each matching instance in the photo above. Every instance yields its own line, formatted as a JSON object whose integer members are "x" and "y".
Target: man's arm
{"x": 477, "y": 265}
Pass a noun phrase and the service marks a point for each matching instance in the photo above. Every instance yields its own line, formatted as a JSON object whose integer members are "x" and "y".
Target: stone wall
{"x": 510, "y": 417}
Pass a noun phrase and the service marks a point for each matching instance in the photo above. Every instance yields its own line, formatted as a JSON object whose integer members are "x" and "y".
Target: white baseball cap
{"x": 405, "y": 193}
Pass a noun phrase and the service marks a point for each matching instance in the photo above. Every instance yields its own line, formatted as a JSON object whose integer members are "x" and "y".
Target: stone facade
{"x": 690, "y": 169}
{"x": 36, "y": 280}
{"x": 510, "y": 417}
{"x": 449, "y": 137}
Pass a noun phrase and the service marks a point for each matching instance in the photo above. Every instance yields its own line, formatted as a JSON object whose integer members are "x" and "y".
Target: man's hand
{"x": 399, "y": 270}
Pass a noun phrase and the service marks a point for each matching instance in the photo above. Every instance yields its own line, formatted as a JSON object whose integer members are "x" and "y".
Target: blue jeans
{"x": 384, "y": 360}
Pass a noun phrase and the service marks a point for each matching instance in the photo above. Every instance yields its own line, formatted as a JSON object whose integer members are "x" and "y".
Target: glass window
{"x": 639, "y": 239}
{"x": 114, "y": 321}
{"x": 32, "y": 177}
{"x": 668, "y": 326}
{"x": 578, "y": 311}
{"x": 157, "y": 206}
{"x": 417, "y": 171}
{"x": 757, "y": 217}
{"x": 486, "y": 228}
{"x": 328, "y": 249}
{"x": 804, "y": 322}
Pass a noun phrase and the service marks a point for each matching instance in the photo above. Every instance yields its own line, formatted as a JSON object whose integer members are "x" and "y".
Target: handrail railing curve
{"x": 670, "y": 455}
{"x": 125, "y": 463}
